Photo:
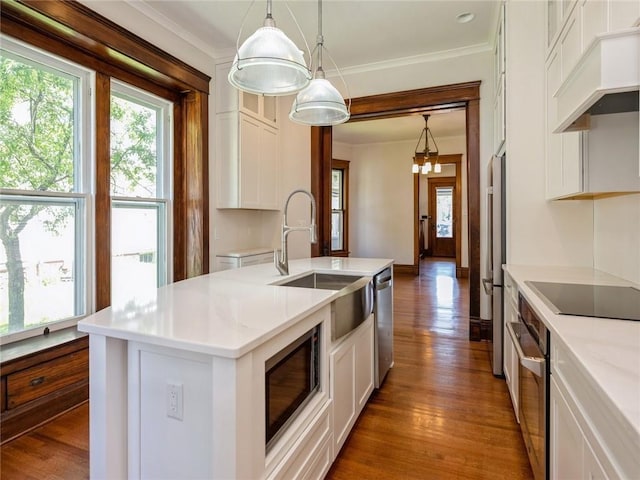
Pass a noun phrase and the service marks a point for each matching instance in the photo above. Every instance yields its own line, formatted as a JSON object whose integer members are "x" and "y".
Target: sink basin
{"x": 351, "y": 307}
{"x": 323, "y": 281}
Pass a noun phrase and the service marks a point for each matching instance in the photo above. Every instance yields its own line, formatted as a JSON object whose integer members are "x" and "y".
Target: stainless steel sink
{"x": 351, "y": 307}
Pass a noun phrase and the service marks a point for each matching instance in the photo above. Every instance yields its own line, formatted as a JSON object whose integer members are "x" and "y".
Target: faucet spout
{"x": 281, "y": 260}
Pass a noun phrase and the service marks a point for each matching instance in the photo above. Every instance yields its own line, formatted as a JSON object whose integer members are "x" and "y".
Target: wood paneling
{"x": 191, "y": 207}
{"x": 40, "y": 384}
{"x": 473, "y": 201}
{"x": 103, "y": 191}
{"x": 47, "y": 377}
{"x": 85, "y": 30}
{"x": 321, "y": 157}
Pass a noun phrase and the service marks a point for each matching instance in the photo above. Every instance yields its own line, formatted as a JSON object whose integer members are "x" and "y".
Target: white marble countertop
{"x": 246, "y": 253}
{"x": 608, "y": 350}
{"x": 226, "y": 313}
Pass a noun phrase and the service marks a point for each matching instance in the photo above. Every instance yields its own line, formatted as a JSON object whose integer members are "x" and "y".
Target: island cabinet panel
{"x": 351, "y": 368}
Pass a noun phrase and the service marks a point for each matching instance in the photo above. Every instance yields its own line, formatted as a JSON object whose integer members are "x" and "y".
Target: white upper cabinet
{"x": 500, "y": 71}
{"x": 596, "y": 155}
{"x": 246, "y": 147}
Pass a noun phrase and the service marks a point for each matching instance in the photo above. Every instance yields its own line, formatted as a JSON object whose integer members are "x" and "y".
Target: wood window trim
{"x": 398, "y": 104}
{"x": 75, "y": 32}
{"x": 343, "y": 165}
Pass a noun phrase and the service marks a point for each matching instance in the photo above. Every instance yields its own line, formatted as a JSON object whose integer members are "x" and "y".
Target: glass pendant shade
{"x": 319, "y": 104}
{"x": 426, "y": 168}
{"x": 415, "y": 168}
{"x": 269, "y": 63}
{"x": 437, "y": 168}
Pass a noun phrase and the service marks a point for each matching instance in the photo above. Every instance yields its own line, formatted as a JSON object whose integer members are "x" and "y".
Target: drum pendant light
{"x": 268, "y": 62}
{"x": 319, "y": 104}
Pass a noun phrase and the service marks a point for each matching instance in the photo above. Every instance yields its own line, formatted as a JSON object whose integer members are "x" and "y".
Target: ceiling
{"x": 359, "y": 34}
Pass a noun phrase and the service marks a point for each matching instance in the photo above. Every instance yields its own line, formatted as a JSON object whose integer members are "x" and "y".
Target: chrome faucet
{"x": 282, "y": 260}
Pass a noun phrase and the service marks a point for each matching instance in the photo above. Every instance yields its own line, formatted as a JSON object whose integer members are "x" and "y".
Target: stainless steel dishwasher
{"x": 383, "y": 311}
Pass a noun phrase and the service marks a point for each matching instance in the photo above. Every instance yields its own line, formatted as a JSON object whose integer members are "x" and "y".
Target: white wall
{"x": 617, "y": 236}
{"x": 381, "y": 197}
{"x": 538, "y": 232}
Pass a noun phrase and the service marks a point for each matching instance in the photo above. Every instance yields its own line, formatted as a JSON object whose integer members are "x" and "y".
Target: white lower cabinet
{"x": 510, "y": 356}
{"x": 586, "y": 440}
{"x": 351, "y": 371}
{"x": 571, "y": 454}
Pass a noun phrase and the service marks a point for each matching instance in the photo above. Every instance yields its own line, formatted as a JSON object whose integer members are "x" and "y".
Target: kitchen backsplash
{"x": 616, "y": 235}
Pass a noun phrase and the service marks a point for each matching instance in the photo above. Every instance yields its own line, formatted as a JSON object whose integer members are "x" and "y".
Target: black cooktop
{"x": 590, "y": 300}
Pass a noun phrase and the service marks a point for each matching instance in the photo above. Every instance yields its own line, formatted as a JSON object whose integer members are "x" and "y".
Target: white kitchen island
{"x": 177, "y": 385}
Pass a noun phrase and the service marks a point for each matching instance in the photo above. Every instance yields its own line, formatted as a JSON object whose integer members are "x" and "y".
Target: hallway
{"x": 440, "y": 412}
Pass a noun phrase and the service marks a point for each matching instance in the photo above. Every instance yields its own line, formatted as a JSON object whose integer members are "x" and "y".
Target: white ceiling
{"x": 358, "y": 34}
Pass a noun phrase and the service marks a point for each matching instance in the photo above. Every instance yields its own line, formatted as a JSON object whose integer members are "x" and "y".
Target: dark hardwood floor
{"x": 440, "y": 413}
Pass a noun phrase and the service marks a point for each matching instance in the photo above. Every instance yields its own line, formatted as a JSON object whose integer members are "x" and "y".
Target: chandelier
{"x": 427, "y": 153}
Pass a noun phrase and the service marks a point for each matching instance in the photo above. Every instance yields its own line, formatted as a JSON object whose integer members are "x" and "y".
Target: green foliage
{"x": 36, "y": 128}
{"x": 133, "y": 149}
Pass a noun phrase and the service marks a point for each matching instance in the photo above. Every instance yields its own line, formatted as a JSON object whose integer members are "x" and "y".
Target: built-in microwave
{"x": 292, "y": 378}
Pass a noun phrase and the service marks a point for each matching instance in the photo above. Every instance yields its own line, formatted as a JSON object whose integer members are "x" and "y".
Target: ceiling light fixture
{"x": 465, "y": 17}
{"x": 427, "y": 154}
{"x": 268, "y": 62}
{"x": 320, "y": 103}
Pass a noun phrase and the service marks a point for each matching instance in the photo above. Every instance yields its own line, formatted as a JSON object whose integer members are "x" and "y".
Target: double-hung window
{"x": 45, "y": 190}
{"x": 140, "y": 179}
{"x": 339, "y": 208}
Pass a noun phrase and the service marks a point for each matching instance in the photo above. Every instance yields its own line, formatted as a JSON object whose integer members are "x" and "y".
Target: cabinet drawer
{"x": 47, "y": 377}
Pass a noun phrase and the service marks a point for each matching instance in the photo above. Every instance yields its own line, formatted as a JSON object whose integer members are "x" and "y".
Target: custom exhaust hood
{"x": 605, "y": 80}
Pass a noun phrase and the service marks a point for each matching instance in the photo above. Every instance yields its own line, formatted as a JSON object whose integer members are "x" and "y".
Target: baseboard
{"x": 486, "y": 329}
{"x": 475, "y": 329}
{"x": 462, "y": 272}
{"x": 405, "y": 269}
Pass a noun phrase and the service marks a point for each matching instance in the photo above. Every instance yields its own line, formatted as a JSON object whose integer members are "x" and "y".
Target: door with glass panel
{"x": 442, "y": 224}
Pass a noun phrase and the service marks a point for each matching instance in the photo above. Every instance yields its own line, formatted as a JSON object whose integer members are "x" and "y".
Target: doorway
{"x": 462, "y": 95}
{"x": 442, "y": 221}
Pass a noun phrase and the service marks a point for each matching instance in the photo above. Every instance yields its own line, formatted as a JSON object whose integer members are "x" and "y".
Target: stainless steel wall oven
{"x": 292, "y": 377}
{"x": 531, "y": 339}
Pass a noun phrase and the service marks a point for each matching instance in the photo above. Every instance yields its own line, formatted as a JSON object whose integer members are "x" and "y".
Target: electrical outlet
{"x": 174, "y": 401}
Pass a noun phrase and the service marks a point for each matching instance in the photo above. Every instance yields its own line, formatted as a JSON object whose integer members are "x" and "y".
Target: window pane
{"x": 336, "y": 189}
{"x": 135, "y": 251}
{"x": 444, "y": 212}
{"x": 337, "y": 229}
{"x": 134, "y": 139}
{"x": 37, "y": 138}
{"x": 39, "y": 280}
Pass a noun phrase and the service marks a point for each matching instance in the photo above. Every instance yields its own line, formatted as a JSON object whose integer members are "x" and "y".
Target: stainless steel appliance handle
{"x": 383, "y": 285}
{"x": 487, "y": 283}
{"x": 533, "y": 364}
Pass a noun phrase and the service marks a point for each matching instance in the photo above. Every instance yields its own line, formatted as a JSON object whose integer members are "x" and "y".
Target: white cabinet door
{"x": 269, "y": 168}
{"x": 351, "y": 372}
{"x": 343, "y": 391}
{"x": 563, "y": 158}
{"x": 246, "y": 147}
{"x": 250, "y": 152}
{"x": 566, "y": 440}
{"x": 364, "y": 365}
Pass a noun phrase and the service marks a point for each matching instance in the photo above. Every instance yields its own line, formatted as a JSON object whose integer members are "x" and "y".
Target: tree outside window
{"x": 46, "y": 198}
